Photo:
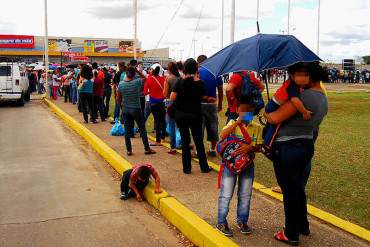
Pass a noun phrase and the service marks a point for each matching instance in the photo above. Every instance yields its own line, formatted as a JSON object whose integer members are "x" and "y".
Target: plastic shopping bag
{"x": 117, "y": 129}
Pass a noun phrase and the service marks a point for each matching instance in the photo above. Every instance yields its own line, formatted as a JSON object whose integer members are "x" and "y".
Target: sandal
{"x": 155, "y": 144}
{"x": 280, "y": 236}
{"x": 172, "y": 151}
{"x": 150, "y": 151}
{"x": 277, "y": 189}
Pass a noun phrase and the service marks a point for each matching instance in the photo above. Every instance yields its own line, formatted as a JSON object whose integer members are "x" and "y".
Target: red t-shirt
{"x": 135, "y": 169}
{"x": 98, "y": 87}
{"x": 154, "y": 86}
{"x": 286, "y": 91}
{"x": 237, "y": 80}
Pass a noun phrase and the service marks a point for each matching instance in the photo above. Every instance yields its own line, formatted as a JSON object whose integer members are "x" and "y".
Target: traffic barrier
{"x": 191, "y": 225}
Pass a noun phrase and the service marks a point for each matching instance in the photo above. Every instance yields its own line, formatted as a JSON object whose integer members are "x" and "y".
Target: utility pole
{"x": 318, "y": 29}
{"x": 258, "y": 16}
{"x": 232, "y": 26}
{"x": 135, "y": 27}
{"x": 46, "y": 39}
{"x": 288, "y": 17}
{"x": 222, "y": 23}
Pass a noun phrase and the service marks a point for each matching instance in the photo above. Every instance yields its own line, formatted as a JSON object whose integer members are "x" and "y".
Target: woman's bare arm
{"x": 173, "y": 96}
{"x": 284, "y": 112}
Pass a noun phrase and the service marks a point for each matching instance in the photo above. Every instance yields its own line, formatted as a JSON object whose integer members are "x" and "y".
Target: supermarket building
{"x": 69, "y": 49}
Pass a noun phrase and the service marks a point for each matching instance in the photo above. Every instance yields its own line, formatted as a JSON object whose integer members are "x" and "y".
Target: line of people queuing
{"x": 189, "y": 98}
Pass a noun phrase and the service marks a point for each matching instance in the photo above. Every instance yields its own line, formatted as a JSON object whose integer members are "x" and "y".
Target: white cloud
{"x": 345, "y": 25}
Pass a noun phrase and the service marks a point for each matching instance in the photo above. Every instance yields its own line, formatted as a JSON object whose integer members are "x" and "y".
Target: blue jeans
{"x": 228, "y": 182}
{"x": 74, "y": 93}
{"x": 51, "y": 91}
{"x": 130, "y": 116}
{"x": 106, "y": 100}
{"x": 292, "y": 166}
{"x": 117, "y": 110}
{"x": 171, "y": 127}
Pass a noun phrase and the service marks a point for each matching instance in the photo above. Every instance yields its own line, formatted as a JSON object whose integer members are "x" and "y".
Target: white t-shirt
{"x": 55, "y": 82}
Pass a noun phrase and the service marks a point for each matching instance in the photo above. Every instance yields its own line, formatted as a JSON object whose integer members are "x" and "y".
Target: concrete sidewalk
{"x": 56, "y": 191}
{"x": 199, "y": 193}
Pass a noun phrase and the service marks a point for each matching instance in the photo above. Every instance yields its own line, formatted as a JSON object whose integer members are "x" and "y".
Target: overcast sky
{"x": 345, "y": 25}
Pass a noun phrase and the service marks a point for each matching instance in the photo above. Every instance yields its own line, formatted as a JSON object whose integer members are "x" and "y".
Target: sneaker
{"x": 224, "y": 228}
{"x": 123, "y": 196}
{"x": 244, "y": 228}
{"x": 212, "y": 153}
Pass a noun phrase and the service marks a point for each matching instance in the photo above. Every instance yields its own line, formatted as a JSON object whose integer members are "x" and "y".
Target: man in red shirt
{"x": 233, "y": 91}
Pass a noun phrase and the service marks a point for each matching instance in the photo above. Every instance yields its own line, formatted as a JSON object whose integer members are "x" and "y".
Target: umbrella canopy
{"x": 38, "y": 67}
{"x": 258, "y": 53}
{"x": 32, "y": 65}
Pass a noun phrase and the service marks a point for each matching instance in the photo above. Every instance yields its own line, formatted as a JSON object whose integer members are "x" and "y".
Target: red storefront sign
{"x": 17, "y": 41}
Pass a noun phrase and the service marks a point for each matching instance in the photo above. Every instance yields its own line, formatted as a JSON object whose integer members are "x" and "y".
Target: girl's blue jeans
{"x": 228, "y": 183}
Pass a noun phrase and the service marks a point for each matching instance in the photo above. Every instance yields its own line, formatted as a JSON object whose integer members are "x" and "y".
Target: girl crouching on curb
{"x": 228, "y": 178}
{"x": 134, "y": 181}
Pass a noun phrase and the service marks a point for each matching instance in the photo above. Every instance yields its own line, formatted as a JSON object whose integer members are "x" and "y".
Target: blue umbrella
{"x": 258, "y": 53}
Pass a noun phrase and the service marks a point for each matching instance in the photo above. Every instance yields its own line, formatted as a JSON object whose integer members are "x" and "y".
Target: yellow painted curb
{"x": 318, "y": 213}
{"x": 190, "y": 224}
{"x": 197, "y": 229}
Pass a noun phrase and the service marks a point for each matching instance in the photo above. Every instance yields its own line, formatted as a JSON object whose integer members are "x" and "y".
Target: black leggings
{"x": 86, "y": 100}
{"x": 67, "y": 93}
{"x": 159, "y": 114}
{"x": 196, "y": 131}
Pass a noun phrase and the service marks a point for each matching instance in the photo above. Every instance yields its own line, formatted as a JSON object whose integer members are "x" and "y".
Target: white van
{"x": 13, "y": 83}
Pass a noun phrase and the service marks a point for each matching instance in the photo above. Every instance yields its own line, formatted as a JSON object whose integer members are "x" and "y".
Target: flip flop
{"x": 280, "y": 236}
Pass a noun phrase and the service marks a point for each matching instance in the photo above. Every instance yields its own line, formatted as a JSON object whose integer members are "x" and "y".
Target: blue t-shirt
{"x": 87, "y": 87}
{"x": 210, "y": 82}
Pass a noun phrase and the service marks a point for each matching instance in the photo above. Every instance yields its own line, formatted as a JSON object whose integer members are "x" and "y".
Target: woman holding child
{"x": 293, "y": 147}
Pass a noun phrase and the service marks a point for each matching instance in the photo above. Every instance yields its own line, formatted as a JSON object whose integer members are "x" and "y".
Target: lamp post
{"x": 318, "y": 29}
{"x": 222, "y": 23}
{"x": 288, "y": 17}
{"x": 135, "y": 27}
{"x": 232, "y": 26}
{"x": 258, "y": 16}
{"x": 46, "y": 43}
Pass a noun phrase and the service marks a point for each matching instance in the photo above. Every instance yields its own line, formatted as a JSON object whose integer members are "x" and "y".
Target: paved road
{"x": 55, "y": 191}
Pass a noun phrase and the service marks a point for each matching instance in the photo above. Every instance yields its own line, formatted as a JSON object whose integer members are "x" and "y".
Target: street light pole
{"x": 288, "y": 17}
{"x": 135, "y": 27}
{"x": 46, "y": 43}
{"x": 222, "y": 23}
{"x": 258, "y": 15}
{"x": 232, "y": 26}
{"x": 318, "y": 29}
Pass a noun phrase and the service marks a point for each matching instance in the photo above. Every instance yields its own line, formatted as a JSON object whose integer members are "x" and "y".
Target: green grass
{"x": 340, "y": 176}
